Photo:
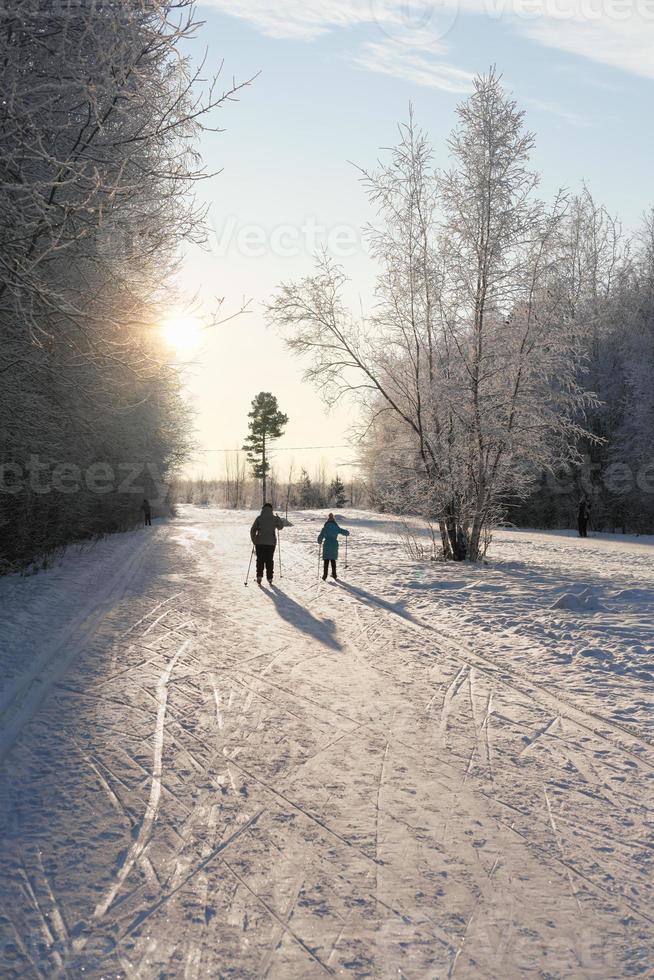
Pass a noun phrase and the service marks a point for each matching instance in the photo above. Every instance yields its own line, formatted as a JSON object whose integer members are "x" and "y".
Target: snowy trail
{"x": 413, "y": 773}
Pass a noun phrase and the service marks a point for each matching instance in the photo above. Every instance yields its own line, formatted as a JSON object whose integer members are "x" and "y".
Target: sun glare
{"x": 182, "y": 333}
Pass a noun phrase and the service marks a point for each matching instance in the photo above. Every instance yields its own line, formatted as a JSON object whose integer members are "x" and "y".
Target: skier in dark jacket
{"x": 147, "y": 512}
{"x": 264, "y": 538}
{"x": 329, "y": 535}
{"x": 583, "y": 516}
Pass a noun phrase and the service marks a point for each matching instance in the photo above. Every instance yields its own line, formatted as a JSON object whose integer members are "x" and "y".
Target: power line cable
{"x": 276, "y": 449}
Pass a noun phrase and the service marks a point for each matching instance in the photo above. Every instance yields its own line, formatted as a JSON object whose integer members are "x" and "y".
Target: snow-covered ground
{"x": 421, "y": 771}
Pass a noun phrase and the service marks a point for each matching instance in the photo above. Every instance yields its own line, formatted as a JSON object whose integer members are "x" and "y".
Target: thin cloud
{"x": 305, "y": 19}
{"x": 597, "y": 30}
{"x": 608, "y": 32}
{"x": 414, "y": 64}
{"x": 628, "y": 45}
{"x": 409, "y": 44}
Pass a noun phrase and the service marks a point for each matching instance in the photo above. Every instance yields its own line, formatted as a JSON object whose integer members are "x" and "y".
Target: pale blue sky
{"x": 335, "y": 79}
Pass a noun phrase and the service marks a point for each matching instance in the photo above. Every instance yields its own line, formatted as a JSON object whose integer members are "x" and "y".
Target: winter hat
{"x": 268, "y": 505}
{"x": 331, "y": 518}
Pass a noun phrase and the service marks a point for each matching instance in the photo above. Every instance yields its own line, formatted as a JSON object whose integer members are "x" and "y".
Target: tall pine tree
{"x": 266, "y": 424}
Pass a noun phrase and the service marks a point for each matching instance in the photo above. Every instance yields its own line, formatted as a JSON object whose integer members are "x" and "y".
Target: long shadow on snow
{"x": 375, "y": 602}
{"x": 300, "y": 617}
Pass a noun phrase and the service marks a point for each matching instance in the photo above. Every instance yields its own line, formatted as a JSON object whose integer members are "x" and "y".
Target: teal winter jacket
{"x": 329, "y": 535}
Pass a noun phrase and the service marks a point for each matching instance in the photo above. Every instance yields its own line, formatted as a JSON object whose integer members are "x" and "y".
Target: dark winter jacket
{"x": 584, "y": 511}
{"x": 264, "y": 528}
{"x": 329, "y": 535}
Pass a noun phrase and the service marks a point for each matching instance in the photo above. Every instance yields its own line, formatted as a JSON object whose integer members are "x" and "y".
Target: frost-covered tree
{"x": 610, "y": 279}
{"x": 634, "y": 437}
{"x": 468, "y": 363}
{"x": 504, "y": 311}
{"x": 98, "y": 120}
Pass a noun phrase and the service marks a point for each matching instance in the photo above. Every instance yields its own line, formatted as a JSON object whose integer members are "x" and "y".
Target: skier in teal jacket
{"x": 329, "y": 535}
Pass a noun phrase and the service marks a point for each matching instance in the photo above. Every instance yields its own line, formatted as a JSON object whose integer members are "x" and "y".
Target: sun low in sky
{"x": 182, "y": 332}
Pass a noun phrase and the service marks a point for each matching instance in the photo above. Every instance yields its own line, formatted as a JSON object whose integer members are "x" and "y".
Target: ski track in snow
{"x": 421, "y": 771}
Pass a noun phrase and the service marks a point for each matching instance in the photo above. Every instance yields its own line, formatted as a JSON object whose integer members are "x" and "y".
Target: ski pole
{"x": 279, "y": 538}
{"x": 318, "y": 561}
{"x": 249, "y": 567}
{"x": 346, "y": 553}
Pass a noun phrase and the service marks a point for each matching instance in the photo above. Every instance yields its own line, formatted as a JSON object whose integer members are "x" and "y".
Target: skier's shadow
{"x": 375, "y": 602}
{"x": 299, "y": 616}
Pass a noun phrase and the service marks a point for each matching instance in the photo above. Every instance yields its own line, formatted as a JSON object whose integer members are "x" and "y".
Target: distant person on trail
{"x": 264, "y": 539}
{"x": 329, "y": 535}
{"x": 147, "y": 512}
{"x": 583, "y": 517}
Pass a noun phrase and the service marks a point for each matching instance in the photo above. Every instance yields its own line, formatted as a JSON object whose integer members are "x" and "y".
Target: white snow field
{"x": 422, "y": 771}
